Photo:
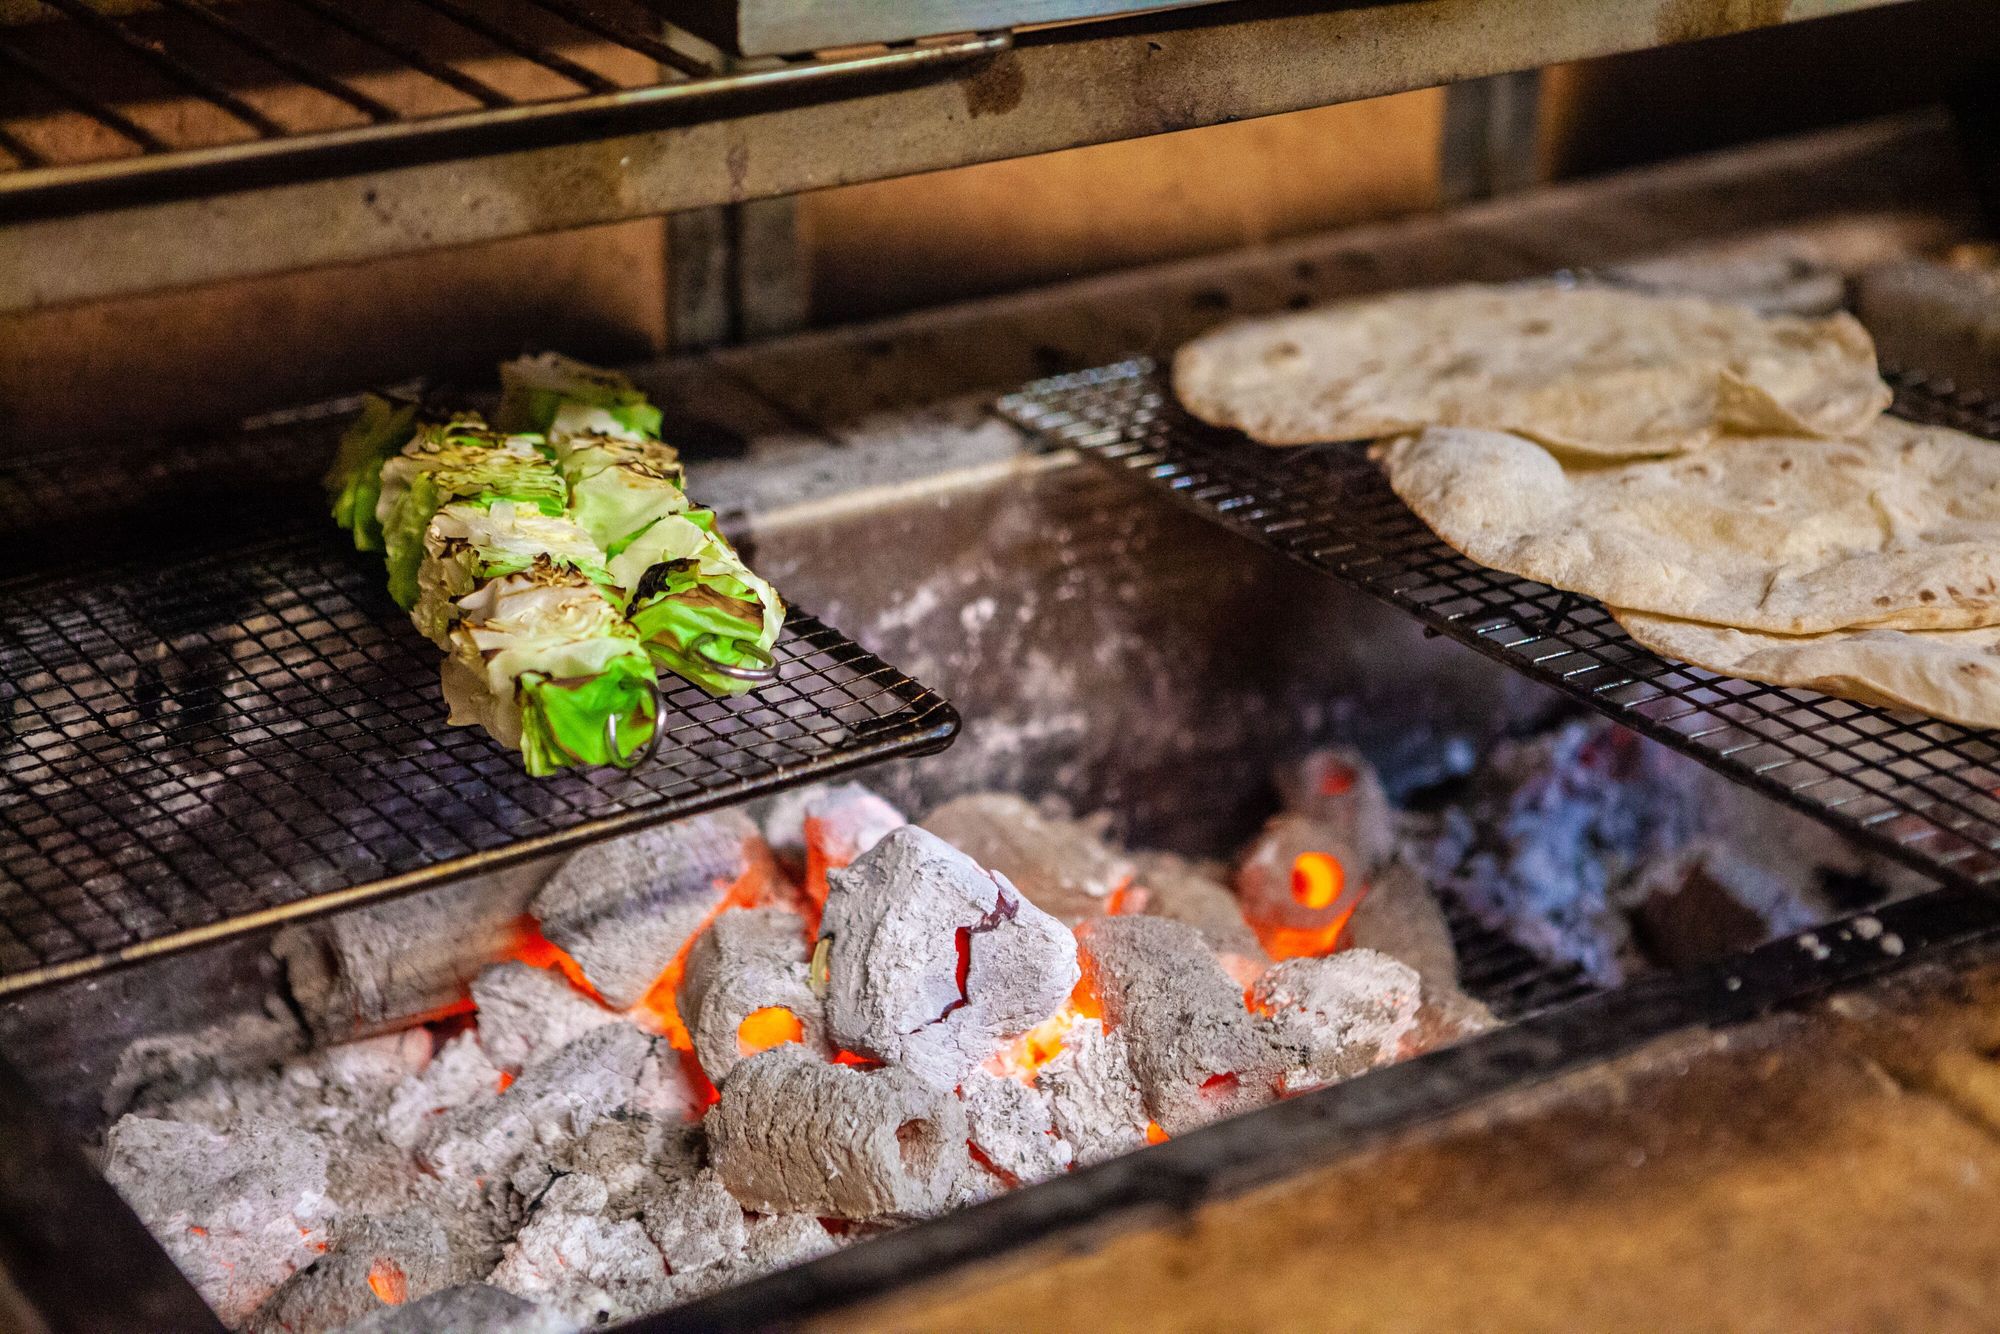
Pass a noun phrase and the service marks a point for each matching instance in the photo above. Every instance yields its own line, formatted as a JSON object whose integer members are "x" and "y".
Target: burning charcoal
{"x": 930, "y": 962}
{"x": 460, "y": 1073}
{"x": 1447, "y": 1015}
{"x": 632, "y": 1155}
{"x": 471, "y": 1308}
{"x": 1338, "y": 787}
{"x": 154, "y": 1069}
{"x": 526, "y": 1012}
{"x": 1707, "y": 902}
{"x": 1336, "y": 1017}
{"x": 745, "y": 989}
{"x": 1195, "y": 1051}
{"x": 1300, "y": 880}
{"x": 823, "y": 828}
{"x": 375, "y": 1262}
{"x": 399, "y": 962}
{"x": 239, "y": 1213}
{"x": 781, "y": 1241}
{"x": 665, "y": 1088}
{"x": 793, "y": 1133}
{"x": 695, "y": 1223}
{"x": 1060, "y": 866}
{"x": 1399, "y": 916}
{"x": 555, "y": 1100}
{"x": 588, "y": 1268}
{"x": 1093, "y": 1095}
{"x": 576, "y": 1193}
{"x": 1180, "y": 891}
{"x": 623, "y": 909}
{"x": 1012, "y": 1129}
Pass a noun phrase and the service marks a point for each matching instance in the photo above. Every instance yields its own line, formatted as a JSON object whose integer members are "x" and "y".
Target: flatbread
{"x": 1899, "y": 528}
{"x": 1596, "y": 371}
{"x": 1949, "y": 674}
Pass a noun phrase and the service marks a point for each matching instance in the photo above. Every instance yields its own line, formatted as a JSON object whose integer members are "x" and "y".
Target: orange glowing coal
{"x": 1317, "y": 879}
{"x": 772, "y": 1026}
{"x": 536, "y": 950}
{"x": 388, "y": 1282}
{"x": 1155, "y": 1135}
{"x": 1301, "y": 942}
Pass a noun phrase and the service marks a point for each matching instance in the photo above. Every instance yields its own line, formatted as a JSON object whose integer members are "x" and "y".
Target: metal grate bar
{"x": 520, "y": 46}
{"x": 19, "y": 151}
{"x": 1922, "y": 791}
{"x": 579, "y": 17}
{"x": 172, "y": 66}
{"x": 279, "y": 58}
{"x": 64, "y": 88}
{"x": 478, "y": 90}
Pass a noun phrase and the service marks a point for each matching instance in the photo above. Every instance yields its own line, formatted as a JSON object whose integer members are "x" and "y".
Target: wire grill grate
{"x": 1921, "y": 791}
{"x": 103, "y": 107}
{"x": 197, "y": 750}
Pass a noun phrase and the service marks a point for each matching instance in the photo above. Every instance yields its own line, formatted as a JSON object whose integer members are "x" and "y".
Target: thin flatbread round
{"x": 1949, "y": 674}
{"x": 1596, "y": 371}
{"x": 1899, "y": 528}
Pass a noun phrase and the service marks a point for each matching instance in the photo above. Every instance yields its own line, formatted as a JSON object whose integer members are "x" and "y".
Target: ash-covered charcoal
{"x": 153, "y": 1070}
{"x": 930, "y": 962}
{"x": 527, "y": 1012}
{"x": 557, "y": 1099}
{"x": 1399, "y": 916}
{"x": 373, "y": 1262}
{"x": 795, "y": 1134}
{"x": 1195, "y": 1051}
{"x": 1446, "y": 1015}
{"x": 1555, "y": 831}
{"x": 695, "y": 1223}
{"x": 1340, "y": 788}
{"x": 632, "y": 1155}
{"x": 239, "y": 1213}
{"x": 1012, "y": 1129}
{"x": 470, "y": 1308}
{"x": 666, "y": 1088}
{"x": 1708, "y": 901}
{"x": 771, "y": 1243}
{"x": 1093, "y": 1094}
{"x": 623, "y": 909}
{"x": 1336, "y": 1017}
{"x": 822, "y": 828}
{"x": 589, "y": 1268}
{"x": 1183, "y": 891}
{"x": 460, "y": 1073}
{"x": 746, "y": 989}
{"x": 1303, "y": 876}
{"x": 1061, "y": 866}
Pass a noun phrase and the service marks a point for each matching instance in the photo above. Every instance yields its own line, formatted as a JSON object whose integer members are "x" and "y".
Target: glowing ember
{"x": 1026, "y": 1055}
{"x": 1301, "y": 942}
{"x": 1155, "y": 1135}
{"x": 772, "y": 1026}
{"x": 1127, "y": 898}
{"x": 506, "y": 1081}
{"x": 857, "y": 1060}
{"x": 1337, "y": 781}
{"x": 658, "y": 1011}
{"x": 1317, "y": 879}
{"x": 536, "y": 950}
{"x": 388, "y": 1282}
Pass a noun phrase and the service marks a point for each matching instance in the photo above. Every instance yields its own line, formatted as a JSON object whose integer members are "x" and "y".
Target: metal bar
{"x": 279, "y": 58}
{"x": 644, "y": 45}
{"x": 81, "y": 100}
{"x": 483, "y": 93}
{"x": 176, "y": 69}
{"x": 19, "y": 151}
{"x": 520, "y": 46}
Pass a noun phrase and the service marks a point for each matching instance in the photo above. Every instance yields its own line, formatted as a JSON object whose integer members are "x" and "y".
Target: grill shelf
{"x": 101, "y": 108}
{"x": 1920, "y": 791}
{"x": 201, "y": 743}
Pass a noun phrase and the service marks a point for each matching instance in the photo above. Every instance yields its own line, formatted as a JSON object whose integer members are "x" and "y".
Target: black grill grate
{"x": 200, "y": 745}
{"x": 1919, "y": 790}
{"x": 100, "y": 106}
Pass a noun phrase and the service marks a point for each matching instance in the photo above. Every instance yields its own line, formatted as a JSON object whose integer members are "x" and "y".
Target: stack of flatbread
{"x": 1724, "y": 482}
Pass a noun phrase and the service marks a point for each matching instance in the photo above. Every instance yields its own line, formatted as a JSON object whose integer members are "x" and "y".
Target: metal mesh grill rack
{"x": 1921, "y": 791}
{"x": 102, "y": 106}
{"x": 256, "y": 733}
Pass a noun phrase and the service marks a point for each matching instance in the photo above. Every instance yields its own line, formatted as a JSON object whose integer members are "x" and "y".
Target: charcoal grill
{"x": 211, "y": 728}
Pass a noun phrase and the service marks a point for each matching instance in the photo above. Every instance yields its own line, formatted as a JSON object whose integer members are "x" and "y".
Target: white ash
{"x": 588, "y": 1268}
{"x": 1094, "y": 1097}
{"x": 694, "y": 1223}
{"x": 623, "y": 908}
{"x": 795, "y": 1134}
{"x": 844, "y": 819}
{"x": 1447, "y": 1015}
{"x": 1335, "y": 1017}
{"x": 557, "y": 1099}
{"x": 665, "y": 1088}
{"x": 1013, "y": 1127}
{"x": 404, "y": 1254}
{"x": 1399, "y": 916}
{"x": 238, "y": 1213}
{"x": 750, "y": 959}
{"x": 771, "y": 1243}
{"x": 1183, "y": 891}
{"x": 1194, "y": 1048}
{"x": 527, "y": 1012}
{"x": 632, "y": 1155}
{"x": 895, "y": 924}
{"x": 154, "y": 1069}
{"x": 1062, "y": 866}
{"x": 330, "y": 1090}
{"x": 470, "y": 1308}
{"x": 460, "y": 1073}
